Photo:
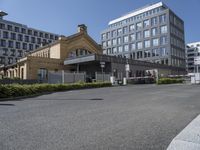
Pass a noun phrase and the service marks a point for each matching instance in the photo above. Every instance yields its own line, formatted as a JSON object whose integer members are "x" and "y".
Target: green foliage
{"x": 169, "y": 81}
{"x": 17, "y": 90}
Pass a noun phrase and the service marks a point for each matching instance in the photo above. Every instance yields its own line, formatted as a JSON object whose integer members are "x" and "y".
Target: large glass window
{"x": 147, "y": 43}
{"x": 146, "y": 23}
{"x": 125, "y": 29}
{"x": 114, "y": 42}
{"x": 155, "y": 42}
{"x": 139, "y": 35}
{"x": 13, "y": 36}
{"x": 120, "y": 49}
{"x": 114, "y": 33}
{"x": 132, "y": 37}
{"x": 147, "y": 53}
{"x": 163, "y": 29}
{"x": 155, "y": 52}
{"x": 119, "y": 40}
{"x": 138, "y": 25}
{"x": 162, "y": 18}
{"x": 146, "y": 33}
{"x": 163, "y": 51}
{"x": 163, "y": 40}
{"x": 154, "y": 21}
{"x": 119, "y": 31}
{"x": 109, "y": 43}
{"x": 154, "y": 31}
{"x": 139, "y": 45}
{"x": 131, "y": 27}
{"x": 10, "y": 44}
{"x": 126, "y": 39}
{"x": 133, "y": 46}
{"x": 3, "y": 43}
{"x": 126, "y": 48}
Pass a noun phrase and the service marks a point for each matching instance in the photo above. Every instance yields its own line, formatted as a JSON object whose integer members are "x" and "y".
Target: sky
{"x": 63, "y": 16}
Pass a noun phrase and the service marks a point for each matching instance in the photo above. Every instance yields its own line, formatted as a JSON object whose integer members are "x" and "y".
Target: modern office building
{"x": 152, "y": 33}
{"x": 192, "y": 51}
{"x": 17, "y": 39}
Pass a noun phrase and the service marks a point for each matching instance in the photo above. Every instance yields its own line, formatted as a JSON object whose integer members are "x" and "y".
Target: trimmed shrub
{"x": 169, "y": 81}
{"x": 17, "y": 90}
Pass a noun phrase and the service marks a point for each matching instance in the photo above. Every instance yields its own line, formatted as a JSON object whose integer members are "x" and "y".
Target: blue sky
{"x": 63, "y": 16}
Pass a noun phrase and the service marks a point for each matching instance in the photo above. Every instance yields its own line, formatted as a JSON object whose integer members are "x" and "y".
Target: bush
{"x": 17, "y": 90}
{"x": 169, "y": 81}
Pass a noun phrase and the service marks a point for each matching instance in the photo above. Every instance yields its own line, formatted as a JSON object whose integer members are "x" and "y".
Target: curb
{"x": 188, "y": 138}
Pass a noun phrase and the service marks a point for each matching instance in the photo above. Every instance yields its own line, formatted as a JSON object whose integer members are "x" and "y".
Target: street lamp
{"x": 102, "y": 66}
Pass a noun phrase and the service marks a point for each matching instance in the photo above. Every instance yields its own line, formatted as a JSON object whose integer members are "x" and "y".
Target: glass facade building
{"x": 17, "y": 39}
{"x": 152, "y": 33}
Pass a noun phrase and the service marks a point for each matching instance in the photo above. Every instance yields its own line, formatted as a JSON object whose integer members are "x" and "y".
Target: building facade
{"x": 17, "y": 39}
{"x": 152, "y": 33}
{"x": 192, "y": 51}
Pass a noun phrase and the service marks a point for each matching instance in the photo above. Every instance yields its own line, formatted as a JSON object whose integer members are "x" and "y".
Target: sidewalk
{"x": 189, "y": 138}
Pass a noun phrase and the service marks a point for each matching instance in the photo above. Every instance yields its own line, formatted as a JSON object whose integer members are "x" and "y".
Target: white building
{"x": 192, "y": 51}
{"x": 17, "y": 39}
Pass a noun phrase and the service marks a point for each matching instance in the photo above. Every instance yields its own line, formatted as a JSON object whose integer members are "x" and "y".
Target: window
{"x": 3, "y": 43}
{"x": 138, "y": 25}
{"x": 126, "y": 48}
{"x": 103, "y": 36}
{"x": 119, "y": 40}
{"x": 162, "y": 18}
{"x": 139, "y": 45}
{"x": 155, "y": 42}
{"x": 147, "y": 53}
{"x": 114, "y": 50}
{"x": 114, "y": 33}
{"x": 2, "y": 60}
{"x": 24, "y": 46}
{"x": 41, "y": 34}
{"x": 9, "y": 27}
{"x": 125, "y": 29}
{"x": 20, "y": 37}
{"x": 147, "y": 43}
{"x": 10, "y": 44}
{"x": 30, "y": 46}
{"x": 26, "y": 38}
{"x": 16, "y": 29}
{"x": 104, "y": 44}
{"x": 5, "y": 34}
{"x": 109, "y": 43}
{"x": 132, "y": 37}
{"x": 32, "y": 39}
{"x": 46, "y": 35}
{"x": 154, "y": 31}
{"x": 10, "y": 60}
{"x": 163, "y": 40}
{"x": 126, "y": 39}
{"x": 119, "y": 31}
{"x": 23, "y": 31}
{"x": 29, "y": 32}
{"x": 12, "y": 52}
{"x": 114, "y": 42}
{"x": 13, "y": 36}
{"x": 146, "y": 23}
{"x": 163, "y": 29}
{"x": 154, "y": 21}
{"x": 138, "y": 35}
{"x": 120, "y": 49}
{"x": 38, "y": 40}
{"x": 17, "y": 45}
{"x": 2, "y": 26}
{"x": 163, "y": 51}
{"x": 155, "y": 52}
{"x": 5, "y": 52}
{"x": 20, "y": 53}
{"x": 146, "y": 33}
{"x": 35, "y": 33}
{"x": 131, "y": 27}
{"x": 133, "y": 46}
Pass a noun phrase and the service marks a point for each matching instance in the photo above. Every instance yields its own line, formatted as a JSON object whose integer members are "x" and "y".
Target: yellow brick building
{"x": 51, "y": 57}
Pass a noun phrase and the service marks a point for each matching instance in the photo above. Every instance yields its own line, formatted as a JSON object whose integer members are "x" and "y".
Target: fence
{"x": 65, "y": 77}
{"x": 18, "y": 81}
{"x": 102, "y": 77}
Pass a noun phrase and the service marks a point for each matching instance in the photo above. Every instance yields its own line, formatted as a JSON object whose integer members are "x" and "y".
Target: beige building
{"x": 36, "y": 64}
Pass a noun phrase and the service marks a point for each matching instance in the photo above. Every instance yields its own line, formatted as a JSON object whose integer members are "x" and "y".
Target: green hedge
{"x": 169, "y": 81}
{"x": 17, "y": 90}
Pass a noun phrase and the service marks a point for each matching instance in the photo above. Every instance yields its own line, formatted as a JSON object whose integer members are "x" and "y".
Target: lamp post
{"x": 102, "y": 67}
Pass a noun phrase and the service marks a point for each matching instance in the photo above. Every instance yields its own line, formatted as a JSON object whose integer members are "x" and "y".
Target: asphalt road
{"x": 139, "y": 117}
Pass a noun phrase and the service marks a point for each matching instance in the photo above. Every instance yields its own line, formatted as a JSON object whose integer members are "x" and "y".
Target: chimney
{"x": 82, "y": 28}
